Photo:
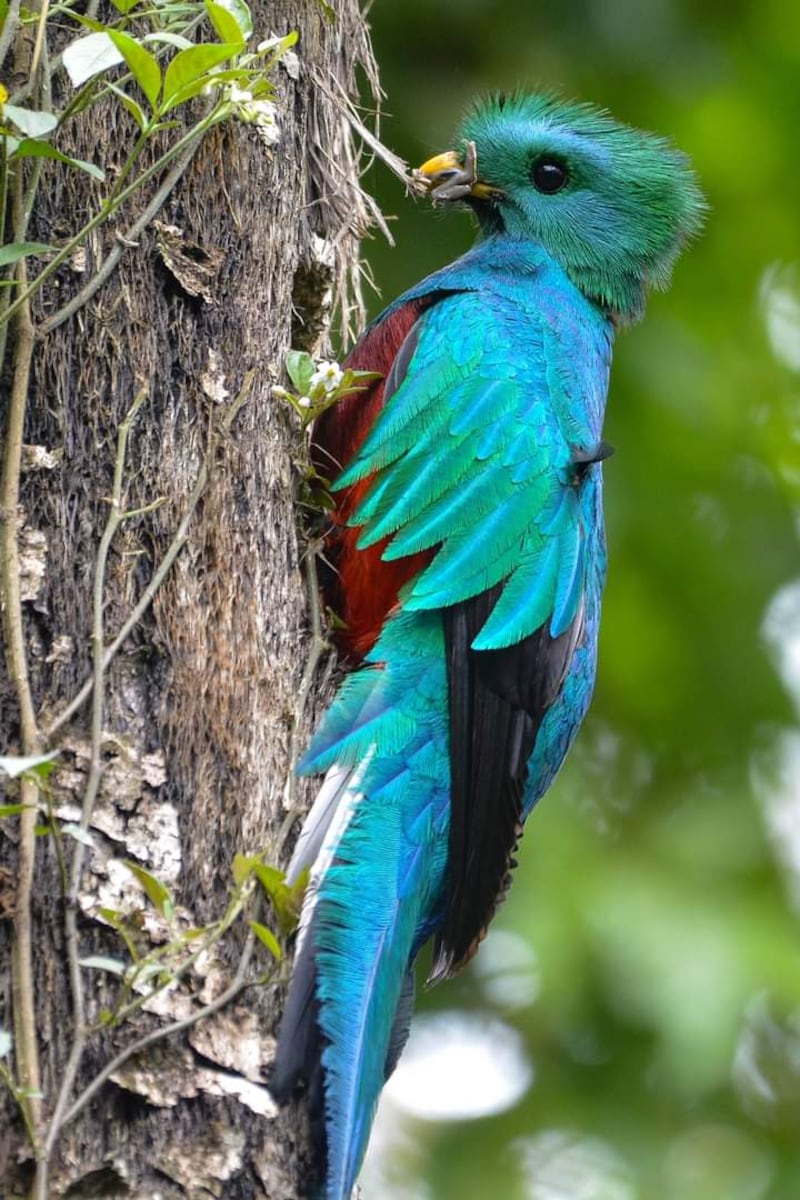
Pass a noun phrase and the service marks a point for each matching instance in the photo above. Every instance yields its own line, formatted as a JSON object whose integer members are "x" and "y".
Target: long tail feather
{"x": 378, "y": 838}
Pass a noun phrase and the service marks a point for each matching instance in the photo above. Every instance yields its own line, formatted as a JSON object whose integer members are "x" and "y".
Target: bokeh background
{"x": 631, "y": 1028}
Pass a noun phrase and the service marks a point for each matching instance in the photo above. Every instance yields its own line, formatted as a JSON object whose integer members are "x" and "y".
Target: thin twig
{"x": 160, "y": 573}
{"x": 80, "y": 1031}
{"x": 22, "y": 948}
{"x": 216, "y": 933}
{"x": 238, "y": 983}
{"x": 195, "y": 133}
{"x": 8, "y": 1079}
{"x": 346, "y": 106}
{"x": 30, "y": 194}
{"x": 40, "y": 32}
{"x": 58, "y": 841}
{"x": 10, "y": 26}
{"x": 109, "y": 263}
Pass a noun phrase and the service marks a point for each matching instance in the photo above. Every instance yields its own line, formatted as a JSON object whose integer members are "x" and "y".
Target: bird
{"x": 468, "y": 559}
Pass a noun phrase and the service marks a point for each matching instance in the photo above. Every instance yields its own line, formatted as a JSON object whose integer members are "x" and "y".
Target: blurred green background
{"x": 645, "y": 983}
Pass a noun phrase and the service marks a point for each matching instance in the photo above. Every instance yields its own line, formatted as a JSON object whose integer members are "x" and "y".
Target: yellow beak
{"x": 450, "y": 176}
{"x": 449, "y": 161}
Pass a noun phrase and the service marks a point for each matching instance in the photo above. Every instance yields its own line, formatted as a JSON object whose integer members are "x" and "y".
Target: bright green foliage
{"x": 163, "y": 70}
{"x": 157, "y": 892}
{"x": 319, "y": 385}
{"x": 40, "y": 766}
{"x": 653, "y": 889}
{"x": 267, "y": 938}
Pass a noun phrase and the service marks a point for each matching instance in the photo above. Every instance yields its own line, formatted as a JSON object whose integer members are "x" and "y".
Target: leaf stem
{"x": 237, "y": 984}
{"x": 22, "y": 947}
{"x": 10, "y": 26}
{"x": 80, "y": 1030}
{"x": 40, "y": 32}
{"x": 109, "y": 263}
{"x": 110, "y": 207}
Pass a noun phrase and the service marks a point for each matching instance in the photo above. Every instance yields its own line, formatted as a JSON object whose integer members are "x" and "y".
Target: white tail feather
{"x": 323, "y": 829}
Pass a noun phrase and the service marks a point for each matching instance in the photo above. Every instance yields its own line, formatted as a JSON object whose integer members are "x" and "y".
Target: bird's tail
{"x": 378, "y": 837}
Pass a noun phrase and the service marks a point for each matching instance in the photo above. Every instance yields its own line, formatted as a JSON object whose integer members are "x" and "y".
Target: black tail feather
{"x": 297, "y": 1069}
{"x": 497, "y": 701}
{"x": 402, "y": 1023}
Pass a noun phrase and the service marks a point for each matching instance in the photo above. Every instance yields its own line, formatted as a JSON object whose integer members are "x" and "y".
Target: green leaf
{"x": 192, "y": 67}
{"x": 142, "y": 64}
{"x": 124, "y": 6}
{"x": 13, "y": 810}
{"x": 158, "y": 893}
{"x": 100, "y": 962}
{"x": 165, "y": 38}
{"x": 240, "y": 11}
{"x": 242, "y": 867}
{"x": 276, "y": 46}
{"x": 89, "y": 56}
{"x": 226, "y": 23}
{"x": 30, "y": 122}
{"x": 17, "y": 250}
{"x": 268, "y": 938}
{"x": 18, "y": 766}
{"x": 350, "y": 377}
{"x": 298, "y": 888}
{"x": 133, "y": 107}
{"x": 300, "y": 368}
{"x": 111, "y": 915}
{"x": 271, "y": 879}
{"x": 28, "y": 148}
{"x": 262, "y": 89}
{"x": 283, "y": 898}
{"x": 159, "y": 125}
{"x": 189, "y": 92}
{"x": 6, "y": 1042}
{"x": 44, "y": 770}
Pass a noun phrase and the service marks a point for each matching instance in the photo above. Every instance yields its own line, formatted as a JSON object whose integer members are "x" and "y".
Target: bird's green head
{"x": 614, "y": 206}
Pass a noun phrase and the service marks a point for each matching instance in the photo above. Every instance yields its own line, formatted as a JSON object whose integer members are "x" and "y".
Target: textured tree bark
{"x": 201, "y": 701}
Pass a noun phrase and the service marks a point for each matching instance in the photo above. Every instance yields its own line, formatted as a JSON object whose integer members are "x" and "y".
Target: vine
{"x": 178, "y": 69}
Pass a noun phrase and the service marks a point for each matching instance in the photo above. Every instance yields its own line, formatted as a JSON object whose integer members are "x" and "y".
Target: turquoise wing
{"x": 478, "y": 453}
{"x": 481, "y": 454}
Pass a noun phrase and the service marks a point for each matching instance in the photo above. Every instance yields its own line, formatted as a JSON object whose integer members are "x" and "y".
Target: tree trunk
{"x": 189, "y": 734}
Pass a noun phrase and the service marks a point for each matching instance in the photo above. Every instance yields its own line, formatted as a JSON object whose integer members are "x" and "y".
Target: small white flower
{"x": 260, "y": 113}
{"x": 239, "y": 95}
{"x": 304, "y": 402}
{"x": 329, "y": 374}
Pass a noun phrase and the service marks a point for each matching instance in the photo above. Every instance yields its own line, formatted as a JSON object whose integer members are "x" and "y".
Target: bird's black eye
{"x": 549, "y": 175}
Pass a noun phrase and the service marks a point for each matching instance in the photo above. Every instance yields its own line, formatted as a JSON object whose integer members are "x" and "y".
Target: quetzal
{"x": 470, "y": 557}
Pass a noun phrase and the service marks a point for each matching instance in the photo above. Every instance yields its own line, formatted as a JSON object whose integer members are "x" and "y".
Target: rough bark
{"x": 202, "y": 699}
